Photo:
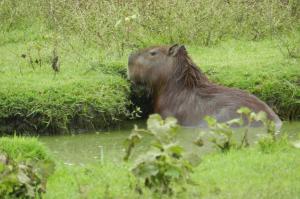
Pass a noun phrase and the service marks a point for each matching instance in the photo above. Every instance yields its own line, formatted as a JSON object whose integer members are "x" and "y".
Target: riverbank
{"x": 255, "y": 172}
{"x": 238, "y": 174}
{"x": 91, "y": 90}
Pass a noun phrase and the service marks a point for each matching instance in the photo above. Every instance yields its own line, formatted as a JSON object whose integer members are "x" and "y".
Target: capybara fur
{"x": 180, "y": 89}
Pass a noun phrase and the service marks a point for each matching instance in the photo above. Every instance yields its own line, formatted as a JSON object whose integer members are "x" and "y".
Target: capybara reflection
{"x": 180, "y": 89}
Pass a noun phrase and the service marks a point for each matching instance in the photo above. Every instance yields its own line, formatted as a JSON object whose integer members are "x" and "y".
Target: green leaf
{"x": 23, "y": 178}
{"x": 133, "y": 139}
{"x": 210, "y": 121}
{"x": 145, "y": 170}
{"x": 238, "y": 121}
{"x": 261, "y": 116}
{"x": 175, "y": 149}
{"x": 252, "y": 116}
{"x": 173, "y": 172}
{"x": 194, "y": 159}
{"x": 154, "y": 122}
{"x": 244, "y": 110}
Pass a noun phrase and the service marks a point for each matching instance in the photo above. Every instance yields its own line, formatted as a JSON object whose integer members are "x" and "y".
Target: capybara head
{"x": 155, "y": 64}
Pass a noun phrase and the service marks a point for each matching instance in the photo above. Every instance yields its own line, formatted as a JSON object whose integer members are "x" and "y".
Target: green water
{"x": 108, "y": 146}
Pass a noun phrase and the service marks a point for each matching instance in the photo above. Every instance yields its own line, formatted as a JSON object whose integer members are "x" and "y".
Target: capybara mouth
{"x": 134, "y": 77}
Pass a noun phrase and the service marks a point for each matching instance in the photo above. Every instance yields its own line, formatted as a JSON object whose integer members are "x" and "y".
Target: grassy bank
{"x": 259, "y": 67}
{"x": 22, "y": 149}
{"x": 269, "y": 169}
{"x": 85, "y": 94}
{"x": 91, "y": 90}
{"x": 248, "y": 173}
{"x": 250, "y": 45}
{"x": 25, "y": 165}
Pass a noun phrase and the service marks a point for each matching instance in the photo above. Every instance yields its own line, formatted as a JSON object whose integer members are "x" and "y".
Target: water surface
{"x": 108, "y": 146}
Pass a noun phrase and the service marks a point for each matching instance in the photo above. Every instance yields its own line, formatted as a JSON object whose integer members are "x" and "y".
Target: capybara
{"x": 180, "y": 89}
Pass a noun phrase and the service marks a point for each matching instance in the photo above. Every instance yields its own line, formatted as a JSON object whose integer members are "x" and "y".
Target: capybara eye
{"x": 152, "y": 53}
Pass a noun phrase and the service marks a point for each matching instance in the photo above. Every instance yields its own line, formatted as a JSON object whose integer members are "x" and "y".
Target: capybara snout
{"x": 151, "y": 65}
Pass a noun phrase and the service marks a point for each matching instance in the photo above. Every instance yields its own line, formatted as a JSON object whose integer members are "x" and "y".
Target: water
{"x": 108, "y": 146}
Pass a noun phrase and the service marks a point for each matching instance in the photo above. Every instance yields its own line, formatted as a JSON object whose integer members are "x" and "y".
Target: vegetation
{"x": 93, "y": 94}
{"x": 255, "y": 43}
{"x": 222, "y": 134}
{"x": 21, "y": 148}
{"x": 63, "y": 69}
{"x": 267, "y": 170}
{"x": 163, "y": 167}
{"x": 246, "y": 173}
{"x": 119, "y": 25}
{"x": 25, "y": 166}
{"x": 259, "y": 67}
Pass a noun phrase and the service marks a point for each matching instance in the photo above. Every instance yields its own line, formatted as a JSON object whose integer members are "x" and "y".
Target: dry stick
{"x": 55, "y": 63}
{"x": 245, "y": 139}
{"x": 78, "y": 55}
{"x": 245, "y": 136}
{"x": 40, "y": 58}
{"x": 30, "y": 60}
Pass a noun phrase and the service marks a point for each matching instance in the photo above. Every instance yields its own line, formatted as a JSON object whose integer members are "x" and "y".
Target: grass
{"x": 85, "y": 94}
{"x": 251, "y": 174}
{"x": 248, "y": 173}
{"x": 91, "y": 91}
{"x": 22, "y": 149}
{"x": 259, "y": 67}
{"x": 116, "y": 25}
{"x": 250, "y": 45}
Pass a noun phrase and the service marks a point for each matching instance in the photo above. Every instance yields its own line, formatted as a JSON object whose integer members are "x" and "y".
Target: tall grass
{"x": 118, "y": 24}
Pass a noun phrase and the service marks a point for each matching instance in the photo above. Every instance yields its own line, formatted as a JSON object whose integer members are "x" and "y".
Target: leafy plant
{"x": 25, "y": 179}
{"x": 222, "y": 133}
{"x": 164, "y": 166}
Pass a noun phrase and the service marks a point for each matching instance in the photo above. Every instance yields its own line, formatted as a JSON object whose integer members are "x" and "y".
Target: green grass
{"x": 91, "y": 91}
{"x": 248, "y": 173}
{"x": 22, "y": 149}
{"x": 251, "y": 174}
{"x": 237, "y": 43}
{"x": 259, "y": 67}
{"x": 116, "y": 25}
{"x": 85, "y": 94}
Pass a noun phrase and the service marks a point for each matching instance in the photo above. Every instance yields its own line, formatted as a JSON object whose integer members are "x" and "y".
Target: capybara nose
{"x": 131, "y": 59}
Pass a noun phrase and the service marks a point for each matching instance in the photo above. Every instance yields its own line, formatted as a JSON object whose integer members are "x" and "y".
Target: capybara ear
{"x": 176, "y": 49}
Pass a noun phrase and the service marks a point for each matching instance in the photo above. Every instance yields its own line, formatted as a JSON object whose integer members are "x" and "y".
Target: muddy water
{"x": 108, "y": 146}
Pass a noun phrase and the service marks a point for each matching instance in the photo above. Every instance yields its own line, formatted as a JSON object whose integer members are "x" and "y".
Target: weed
{"x": 223, "y": 133}
{"x": 164, "y": 166}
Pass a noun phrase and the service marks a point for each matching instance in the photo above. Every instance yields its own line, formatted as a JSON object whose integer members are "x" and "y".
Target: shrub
{"x": 222, "y": 133}
{"x": 24, "y": 167}
{"x": 163, "y": 168}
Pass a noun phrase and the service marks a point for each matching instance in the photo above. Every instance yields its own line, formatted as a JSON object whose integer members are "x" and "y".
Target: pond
{"x": 108, "y": 146}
